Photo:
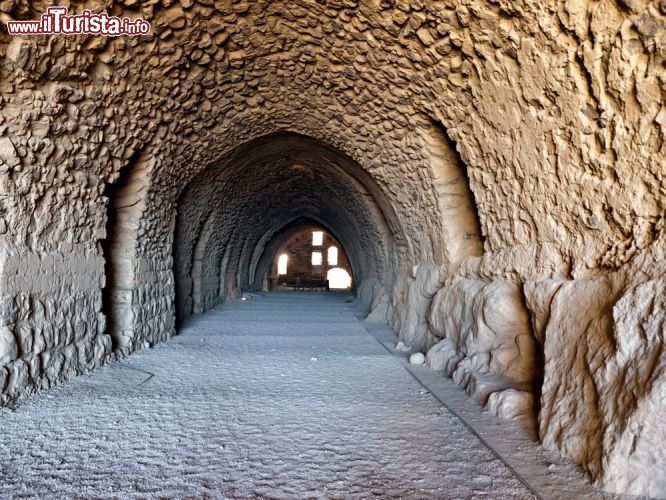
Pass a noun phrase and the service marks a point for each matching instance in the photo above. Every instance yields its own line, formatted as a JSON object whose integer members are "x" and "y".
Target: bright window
{"x": 282, "y": 263}
{"x": 317, "y": 238}
{"x": 332, "y": 259}
{"x": 339, "y": 278}
{"x": 316, "y": 258}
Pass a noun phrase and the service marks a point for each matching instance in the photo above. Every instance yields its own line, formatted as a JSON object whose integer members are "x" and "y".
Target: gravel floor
{"x": 282, "y": 396}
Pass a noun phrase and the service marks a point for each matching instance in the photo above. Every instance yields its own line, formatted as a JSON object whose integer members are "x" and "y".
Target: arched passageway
{"x": 265, "y": 192}
{"x": 493, "y": 172}
{"x": 302, "y": 255}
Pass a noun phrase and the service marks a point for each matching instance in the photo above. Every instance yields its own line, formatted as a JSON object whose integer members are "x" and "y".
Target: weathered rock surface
{"x": 487, "y": 347}
{"x": 487, "y": 326}
{"x": 605, "y": 374}
{"x": 514, "y": 405}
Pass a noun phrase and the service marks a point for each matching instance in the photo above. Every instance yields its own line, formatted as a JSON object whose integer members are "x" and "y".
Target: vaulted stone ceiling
{"x": 494, "y": 169}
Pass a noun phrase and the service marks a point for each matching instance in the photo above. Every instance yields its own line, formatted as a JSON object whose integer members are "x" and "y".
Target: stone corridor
{"x": 492, "y": 171}
{"x": 282, "y": 396}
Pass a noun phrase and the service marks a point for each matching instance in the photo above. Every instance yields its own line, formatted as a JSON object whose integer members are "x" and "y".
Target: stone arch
{"x": 264, "y": 261}
{"x": 126, "y": 204}
{"x": 222, "y": 289}
{"x": 325, "y": 186}
{"x": 556, "y": 107}
{"x": 197, "y": 262}
{"x": 461, "y": 229}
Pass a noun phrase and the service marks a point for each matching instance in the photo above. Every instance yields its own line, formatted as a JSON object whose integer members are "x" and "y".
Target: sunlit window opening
{"x": 317, "y": 238}
{"x": 338, "y": 278}
{"x": 282, "y": 263}
{"x": 332, "y": 259}
{"x": 316, "y": 258}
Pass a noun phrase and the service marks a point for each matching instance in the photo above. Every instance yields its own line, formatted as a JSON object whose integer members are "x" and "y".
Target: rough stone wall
{"x": 609, "y": 329}
{"x": 556, "y": 113}
{"x": 488, "y": 347}
{"x": 49, "y": 331}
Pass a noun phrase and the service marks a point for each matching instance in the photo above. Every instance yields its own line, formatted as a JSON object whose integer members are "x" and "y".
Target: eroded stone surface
{"x": 487, "y": 345}
{"x": 604, "y": 373}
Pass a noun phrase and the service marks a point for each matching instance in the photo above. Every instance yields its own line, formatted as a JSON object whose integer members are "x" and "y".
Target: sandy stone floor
{"x": 283, "y": 396}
